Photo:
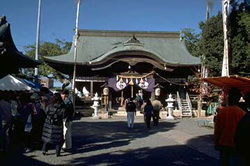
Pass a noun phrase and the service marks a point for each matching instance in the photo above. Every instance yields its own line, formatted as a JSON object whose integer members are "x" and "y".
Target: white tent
{"x": 10, "y": 83}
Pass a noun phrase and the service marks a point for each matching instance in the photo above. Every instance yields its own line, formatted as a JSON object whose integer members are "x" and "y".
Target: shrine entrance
{"x": 131, "y": 85}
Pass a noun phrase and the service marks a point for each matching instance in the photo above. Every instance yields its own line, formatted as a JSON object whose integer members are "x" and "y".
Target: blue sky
{"x": 58, "y": 16}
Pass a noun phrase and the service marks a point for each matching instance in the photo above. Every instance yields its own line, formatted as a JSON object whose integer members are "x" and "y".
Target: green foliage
{"x": 211, "y": 44}
{"x": 192, "y": 41}
{"x": 49, "y": 49}
{"x": 240, "y": 39}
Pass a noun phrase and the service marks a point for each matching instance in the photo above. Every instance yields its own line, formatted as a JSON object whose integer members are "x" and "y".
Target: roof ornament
{"x": 3, "y": 20}
{"x": 133, "y": 41}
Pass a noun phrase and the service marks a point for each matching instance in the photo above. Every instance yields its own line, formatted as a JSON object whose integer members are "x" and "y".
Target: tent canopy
{"x": 242, "y": 83}
{"x": 10, "y": 83}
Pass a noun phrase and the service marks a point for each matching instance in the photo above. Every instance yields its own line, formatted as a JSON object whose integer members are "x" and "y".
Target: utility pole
{"x": 225, "y": 11}
{"x": 38, "y": 37}
{"x": 75, "y": 51}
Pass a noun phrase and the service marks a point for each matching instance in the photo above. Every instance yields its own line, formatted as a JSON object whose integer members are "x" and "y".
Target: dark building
{"x": 11, "y": 59}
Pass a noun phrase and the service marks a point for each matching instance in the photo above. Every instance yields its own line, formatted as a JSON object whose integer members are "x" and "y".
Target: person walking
{"x": 225, "y": 128}
{"x": 53, "y": 126}
{"x": 67, "y": 122}
{"x": 131, "y": 111}
{"x": 148, "y": 113}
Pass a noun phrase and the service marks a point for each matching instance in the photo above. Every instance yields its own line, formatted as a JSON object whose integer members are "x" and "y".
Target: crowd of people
{"x": 34, "y": 120}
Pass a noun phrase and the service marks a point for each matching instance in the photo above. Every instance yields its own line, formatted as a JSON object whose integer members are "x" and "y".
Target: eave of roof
{"x": 94, "y": 46}
{"x": 9, "y": 53}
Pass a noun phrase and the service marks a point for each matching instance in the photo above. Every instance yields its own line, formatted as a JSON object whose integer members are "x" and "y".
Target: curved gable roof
{"x": 94, "y": 46}
{"x": 9, "y": 53}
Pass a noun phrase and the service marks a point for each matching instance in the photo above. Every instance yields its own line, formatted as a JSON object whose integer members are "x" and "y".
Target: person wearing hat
{"x": 67, "y": 122}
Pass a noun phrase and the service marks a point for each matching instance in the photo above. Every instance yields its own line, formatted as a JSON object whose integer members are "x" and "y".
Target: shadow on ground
{"x": 160, "y": 156}
{"x": 103, "y": 135}
{"x": 116, "y": 134}
{"x": 19, "y": 159}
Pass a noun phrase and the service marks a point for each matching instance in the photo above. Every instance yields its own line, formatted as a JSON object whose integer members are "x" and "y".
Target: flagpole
{"x": 75, "y": 51}
{"x": 225, "y": 11}
{"x": 38, "y": 37}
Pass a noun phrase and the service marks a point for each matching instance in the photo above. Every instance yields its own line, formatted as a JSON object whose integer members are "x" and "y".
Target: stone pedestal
{"x": 122, "y": 112}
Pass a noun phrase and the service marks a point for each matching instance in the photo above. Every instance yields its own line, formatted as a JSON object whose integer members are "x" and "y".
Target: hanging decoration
{"x": 136, "y": 80}
{"x": 131, "y": 82}
{"x": 143, "y": 84}
{"x": 171, "y": 82}
{"x": 146, "y": 82}
{"x": 120, "y": 84}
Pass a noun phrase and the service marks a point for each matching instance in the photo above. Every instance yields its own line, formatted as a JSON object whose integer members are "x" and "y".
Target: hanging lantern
{"x": 106, "y": 91}
{"x": 146, "y": 79}
{"x": 157, "y": 92}
{"x": 121, "y": 80}
{"x": 117, "y": 78}
{"x": 126, "y": 80}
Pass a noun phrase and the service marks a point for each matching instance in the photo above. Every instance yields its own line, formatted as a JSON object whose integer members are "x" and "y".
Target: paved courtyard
{"x": 110, "y": 142}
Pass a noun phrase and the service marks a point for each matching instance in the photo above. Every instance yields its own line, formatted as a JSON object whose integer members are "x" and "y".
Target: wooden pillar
{"x": 122, "y": 98}
{"x": 91, "y": 88}
{"x": 132, "y": 91}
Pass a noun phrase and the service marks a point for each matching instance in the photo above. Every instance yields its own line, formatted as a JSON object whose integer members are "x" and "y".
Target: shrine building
{"x": 122, "y": 64}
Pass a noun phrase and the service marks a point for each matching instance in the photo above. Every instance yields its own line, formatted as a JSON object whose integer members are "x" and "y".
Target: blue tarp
{"x": 32, "y": 84}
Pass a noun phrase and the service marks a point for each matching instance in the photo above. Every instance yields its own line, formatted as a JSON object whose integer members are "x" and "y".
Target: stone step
{"x": 124, "y": 113}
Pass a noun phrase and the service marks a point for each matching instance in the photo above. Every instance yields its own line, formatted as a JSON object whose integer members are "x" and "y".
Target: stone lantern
{"x": 170, "y": 107}
{"x": 96, "y": 104}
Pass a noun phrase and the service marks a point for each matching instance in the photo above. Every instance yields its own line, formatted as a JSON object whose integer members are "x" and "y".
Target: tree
{"x": 49, "y": 49}
{"x": 211, "y": 45}
{"x": 240, "y": 38}
{"x": 192, "y": 41}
